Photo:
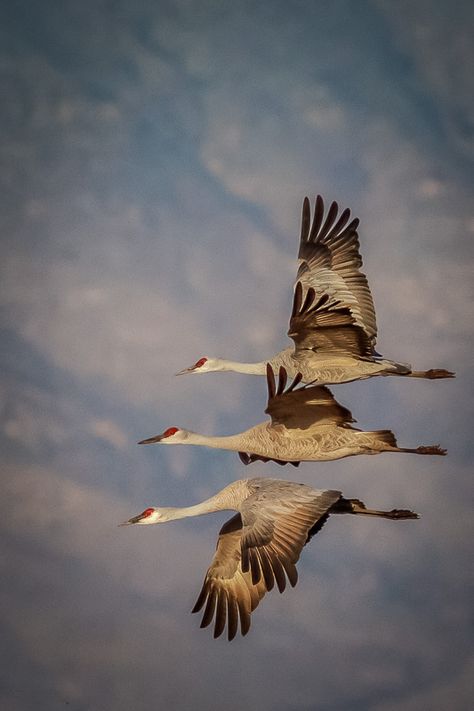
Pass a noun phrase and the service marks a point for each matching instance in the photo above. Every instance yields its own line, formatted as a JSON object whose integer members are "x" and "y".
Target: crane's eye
{"x": 200, "y": 363}
{"x": 146, "y": 513}
{"x": 170, "y": 431}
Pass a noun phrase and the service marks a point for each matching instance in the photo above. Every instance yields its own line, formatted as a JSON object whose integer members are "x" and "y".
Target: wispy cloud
{"x": 442, "y": 76}
{"x": 155, "y": 161}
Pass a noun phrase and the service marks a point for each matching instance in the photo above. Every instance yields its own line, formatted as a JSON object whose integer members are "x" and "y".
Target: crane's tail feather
{"x": 383, "y": 436}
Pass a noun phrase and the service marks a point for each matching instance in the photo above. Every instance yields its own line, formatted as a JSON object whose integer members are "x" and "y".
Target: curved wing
{"x": 303, "y": 408}
{"x": 330, "y": 264}
{"x": 228, "y": 593}
{"x": 258, "y": 548}
{"x": 326, "y": 326}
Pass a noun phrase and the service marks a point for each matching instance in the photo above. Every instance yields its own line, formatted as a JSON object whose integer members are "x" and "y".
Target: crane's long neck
{"x": 284, "y": 357}
{"x": 233, "y": 442}
{"x": 248, "y": 368}
{"x": 228, "y": 499}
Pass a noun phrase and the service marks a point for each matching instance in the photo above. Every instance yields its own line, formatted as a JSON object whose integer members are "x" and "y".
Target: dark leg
{"x": 432, "y": 374}
{"x": 354, "y": 506}
{"x": 428, "y": 449}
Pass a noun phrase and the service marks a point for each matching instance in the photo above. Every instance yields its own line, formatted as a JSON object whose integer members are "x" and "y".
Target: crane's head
{"x": 150, "y": 515}
{"x": 203, "y": 365}
{"x": 173, "y": 435}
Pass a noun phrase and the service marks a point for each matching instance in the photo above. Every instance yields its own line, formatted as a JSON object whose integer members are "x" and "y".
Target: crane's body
{"x": 261, "y": 544}
{"x": 340, "y": 368}
{"x": 283, "y": 445}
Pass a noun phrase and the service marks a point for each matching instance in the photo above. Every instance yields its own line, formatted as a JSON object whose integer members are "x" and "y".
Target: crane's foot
{"x": 428, "y": 449}
{"x": 399, "y": 514}
{"x": 432, "y": 449}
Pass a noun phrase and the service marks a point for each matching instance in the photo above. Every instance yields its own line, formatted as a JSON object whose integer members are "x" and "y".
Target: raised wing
{"x": 326, "y": 325}
{"x": 330, "y": 264}
{"x": 258, "y": 548}
{"x": 303, "y": 408}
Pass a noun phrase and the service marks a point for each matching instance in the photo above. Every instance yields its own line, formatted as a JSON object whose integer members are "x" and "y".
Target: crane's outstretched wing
{"x": 306, "y": 407}
{"x": 329, "y": 265}
{"x": 258, "y": 548}
{"x": 228, "y": 593}
{"x": 325, "y": 325}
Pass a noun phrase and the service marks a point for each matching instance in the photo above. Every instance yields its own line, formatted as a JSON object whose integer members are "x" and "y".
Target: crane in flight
{"x": 261, "y": 544}
{"x": 332, "y": 322}
{"x": 307, "y": 424}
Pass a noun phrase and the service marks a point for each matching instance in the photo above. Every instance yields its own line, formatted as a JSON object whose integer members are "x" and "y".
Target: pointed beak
{"x": 184, "y": 371}
{"x": 151, "y": 440}
{"x": 130, "y": 521}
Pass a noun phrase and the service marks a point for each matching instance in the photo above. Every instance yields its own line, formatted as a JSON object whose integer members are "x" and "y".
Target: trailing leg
{"x": 355, "y": 506}
{"x": 428, "y": 449}
{"x": 432, "y": 374}
{"x": 385, "y": 441}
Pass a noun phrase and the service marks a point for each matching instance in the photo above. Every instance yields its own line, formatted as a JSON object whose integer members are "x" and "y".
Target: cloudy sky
{"x": 154, "y": 160}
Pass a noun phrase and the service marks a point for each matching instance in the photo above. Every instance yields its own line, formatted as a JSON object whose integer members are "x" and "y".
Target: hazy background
{"x": 154, "y": 160}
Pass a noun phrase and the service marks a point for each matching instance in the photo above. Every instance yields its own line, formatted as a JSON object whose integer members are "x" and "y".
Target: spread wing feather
{"x": 259, "y": 548}
{"x": 324, "y": 325}
{"x": 304, "y": 408}
{"x": 330, "y": 264}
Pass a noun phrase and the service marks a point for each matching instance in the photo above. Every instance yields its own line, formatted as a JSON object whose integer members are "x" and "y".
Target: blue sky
{"x": 154, "y": 162}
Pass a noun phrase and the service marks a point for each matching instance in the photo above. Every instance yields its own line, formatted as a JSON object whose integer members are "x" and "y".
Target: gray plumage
{"x": 258, "y": 548}
{"x": 307, "y": 424}
{"x": 332, "y": 324}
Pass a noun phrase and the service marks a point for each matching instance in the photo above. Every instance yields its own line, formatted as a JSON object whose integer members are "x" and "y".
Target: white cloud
{"x": 110, "y": 432}
{"x": 430, "y": 188}
{"x": 32, "y": 417}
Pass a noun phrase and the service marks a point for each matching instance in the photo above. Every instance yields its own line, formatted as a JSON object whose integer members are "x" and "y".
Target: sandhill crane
{"x": 332, "y": 322}
{"x": 307, "y": 424}
{"x": 261, "y": 544}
